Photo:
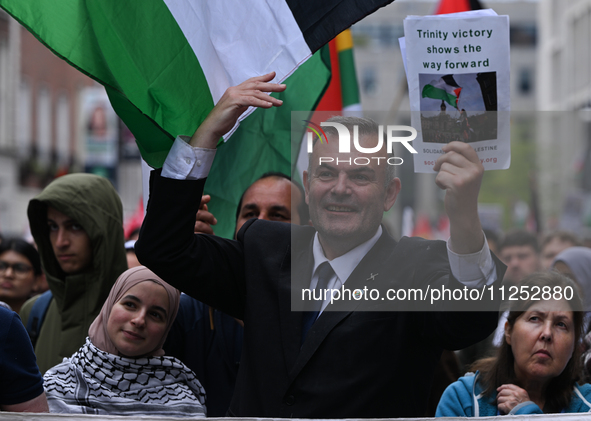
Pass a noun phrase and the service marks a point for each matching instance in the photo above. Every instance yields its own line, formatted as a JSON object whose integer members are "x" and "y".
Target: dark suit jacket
{"x": 353, "y": 363}
{"x": 209, "y": 342}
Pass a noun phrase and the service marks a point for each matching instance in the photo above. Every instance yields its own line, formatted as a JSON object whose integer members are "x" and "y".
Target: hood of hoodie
{"x": 93, "y": 202}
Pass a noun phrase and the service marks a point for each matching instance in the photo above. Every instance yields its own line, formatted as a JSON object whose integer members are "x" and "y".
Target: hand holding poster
{"x": 457, "y": 67}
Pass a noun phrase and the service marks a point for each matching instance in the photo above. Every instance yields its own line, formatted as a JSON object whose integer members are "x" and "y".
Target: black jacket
{"x": 353, "y": 363}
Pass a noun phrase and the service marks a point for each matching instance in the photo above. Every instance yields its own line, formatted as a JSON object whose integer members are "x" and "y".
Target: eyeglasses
{"x": 18, "y": 268}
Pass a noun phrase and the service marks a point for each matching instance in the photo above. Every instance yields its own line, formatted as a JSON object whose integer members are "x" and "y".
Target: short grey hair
{"x": 366, "y": 127}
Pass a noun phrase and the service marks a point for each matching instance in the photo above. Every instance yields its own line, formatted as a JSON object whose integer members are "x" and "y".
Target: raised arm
{"x": 236, "y": 100}
{"x": 206, "y": 267}
{"x": 460, "y": 175}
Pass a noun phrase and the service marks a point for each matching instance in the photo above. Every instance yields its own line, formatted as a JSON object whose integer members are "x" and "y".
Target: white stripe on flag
{"x": 440, "y": 83}
{"x": 236, "y": 40}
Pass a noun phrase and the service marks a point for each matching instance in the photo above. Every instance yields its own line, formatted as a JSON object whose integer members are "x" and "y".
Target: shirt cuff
{"x": 474, "y": 270}
{"x": 185, "y": 162}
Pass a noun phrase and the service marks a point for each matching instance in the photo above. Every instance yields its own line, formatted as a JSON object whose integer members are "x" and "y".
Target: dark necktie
{"x": 325, "y": 272}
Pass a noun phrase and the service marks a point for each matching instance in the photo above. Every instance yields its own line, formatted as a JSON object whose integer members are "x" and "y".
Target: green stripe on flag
{"x": 117, "y": 44}
{"x": 262, "y": 143}
{"x": 156, "y": 142}
{"x": 429, "y": 91}
{"x": 349, "y": 87}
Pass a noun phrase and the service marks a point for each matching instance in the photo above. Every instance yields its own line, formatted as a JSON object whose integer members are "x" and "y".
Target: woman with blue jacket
{"x": 537, "y": 366}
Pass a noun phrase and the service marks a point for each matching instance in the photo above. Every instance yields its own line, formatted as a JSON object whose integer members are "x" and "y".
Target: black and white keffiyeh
{"x": 96, "y": 382}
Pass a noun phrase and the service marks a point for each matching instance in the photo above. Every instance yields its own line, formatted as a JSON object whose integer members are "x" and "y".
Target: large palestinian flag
{"x": 262, "y": 143}
{"x": 165, "y": 63}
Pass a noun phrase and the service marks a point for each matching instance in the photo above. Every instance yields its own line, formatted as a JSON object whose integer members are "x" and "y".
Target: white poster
{"x": 457, "y": 67}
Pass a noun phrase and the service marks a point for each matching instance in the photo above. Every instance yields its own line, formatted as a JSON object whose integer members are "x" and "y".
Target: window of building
{"x": 523, "y": 35}
{"x": 24, "y": 132}
{"x": 369, "y": 81}
{"x": 63, "y": 129}
{"x": 4, "y": 72}
{"x": 43, "y": 133}
{"x": 525, "y": 81}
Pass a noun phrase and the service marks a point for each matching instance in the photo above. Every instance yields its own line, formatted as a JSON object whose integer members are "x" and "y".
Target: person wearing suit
{"x": 357, "y": 357}
{"x": 209, "y": 341}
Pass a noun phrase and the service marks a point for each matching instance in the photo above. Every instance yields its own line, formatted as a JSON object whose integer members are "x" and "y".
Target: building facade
{"x": 564, "y": 101}
{"x": 44, "y": 129}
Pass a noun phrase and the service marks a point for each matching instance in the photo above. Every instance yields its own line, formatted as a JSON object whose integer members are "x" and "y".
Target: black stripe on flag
{"x": 321, "y": 21}
{"x": 449, "y": 79}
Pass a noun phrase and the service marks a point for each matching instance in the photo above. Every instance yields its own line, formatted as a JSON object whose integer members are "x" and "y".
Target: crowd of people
{"x": 177, "y": 321}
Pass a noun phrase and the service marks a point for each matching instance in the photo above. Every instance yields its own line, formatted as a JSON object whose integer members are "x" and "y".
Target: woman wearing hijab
{"x": 121, "y": 369}
{"x": 575, "y": 262}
